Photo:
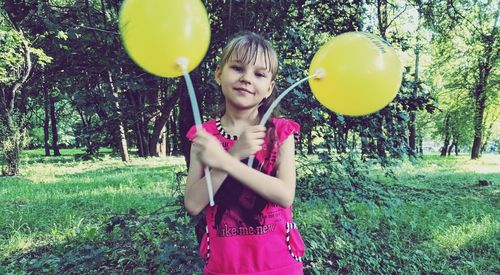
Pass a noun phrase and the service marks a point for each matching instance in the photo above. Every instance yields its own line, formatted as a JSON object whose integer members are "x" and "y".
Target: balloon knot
{"x": 182, "y": 62}
{"x": 319, "y": 73}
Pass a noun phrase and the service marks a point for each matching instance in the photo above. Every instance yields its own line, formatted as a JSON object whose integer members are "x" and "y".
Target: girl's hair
{"x": 245, "y": 47}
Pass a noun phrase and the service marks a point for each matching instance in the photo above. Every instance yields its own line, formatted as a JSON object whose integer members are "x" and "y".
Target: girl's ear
{"x": 218, "y": 73}
{"x": 271, "y": 88}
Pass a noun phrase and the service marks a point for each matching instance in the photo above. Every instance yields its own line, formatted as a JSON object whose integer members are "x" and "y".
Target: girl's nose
{"x": 245, "y": 78}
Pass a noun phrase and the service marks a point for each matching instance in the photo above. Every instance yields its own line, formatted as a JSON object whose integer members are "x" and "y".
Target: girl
{"x": 250, "y": 229}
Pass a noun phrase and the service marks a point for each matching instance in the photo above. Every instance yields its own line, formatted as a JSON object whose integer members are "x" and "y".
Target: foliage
{"x": 156, "y": 243}
{"x": 465, "y": 70}
{"x": 86, "y": 55}
{"x": 412, "y": 223}
{"x": 16, "y": 53}
{"x": 102, "y": 89}
{"x": 12, "y": 55}
{"x": 107, "y": 217}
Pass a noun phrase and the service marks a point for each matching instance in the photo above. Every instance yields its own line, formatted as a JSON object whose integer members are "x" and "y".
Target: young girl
{"x": 250, "y": 229}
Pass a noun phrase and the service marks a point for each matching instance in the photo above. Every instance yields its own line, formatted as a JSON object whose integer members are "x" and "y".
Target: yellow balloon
{"x": 361, "y": 74}
{"x": 156, "y": 33}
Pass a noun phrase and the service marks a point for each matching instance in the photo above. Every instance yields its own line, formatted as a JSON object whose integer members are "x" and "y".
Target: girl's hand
{"x": 209, "y": 150}
{"x": 249, "y": 142}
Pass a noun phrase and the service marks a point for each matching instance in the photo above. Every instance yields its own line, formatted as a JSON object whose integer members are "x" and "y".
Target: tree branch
{"x": 96, "y": 29}
{"x": 404, "y": 9}
{"x": 465, "y": 18}
{"x": 17, "y": 85}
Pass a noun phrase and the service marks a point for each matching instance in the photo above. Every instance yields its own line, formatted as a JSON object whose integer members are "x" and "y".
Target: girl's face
{"x": 245, "y": 85}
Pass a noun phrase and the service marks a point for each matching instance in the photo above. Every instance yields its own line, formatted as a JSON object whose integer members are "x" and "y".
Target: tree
{"x": 17, "y": 60}
{"x": 467, "y": 35}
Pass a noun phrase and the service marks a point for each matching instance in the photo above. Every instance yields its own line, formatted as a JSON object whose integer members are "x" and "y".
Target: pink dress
{"x": 245, "y": 234}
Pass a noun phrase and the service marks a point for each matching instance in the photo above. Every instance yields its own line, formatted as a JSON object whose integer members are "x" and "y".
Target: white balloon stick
{"x": 275, "y": 103}
{"x": 183, "y": 63}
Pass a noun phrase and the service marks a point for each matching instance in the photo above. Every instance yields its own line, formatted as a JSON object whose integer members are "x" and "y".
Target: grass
{"x": 446, "y": 215}
{"x": 441, "y": 219}
{"x": 53, "y": 198}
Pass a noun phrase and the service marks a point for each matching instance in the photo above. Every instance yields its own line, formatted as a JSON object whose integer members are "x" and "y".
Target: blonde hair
{"x": 245, "y": 48}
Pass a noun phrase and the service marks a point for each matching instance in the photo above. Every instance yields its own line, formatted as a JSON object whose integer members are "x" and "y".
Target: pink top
{"x": 245, "y": 234}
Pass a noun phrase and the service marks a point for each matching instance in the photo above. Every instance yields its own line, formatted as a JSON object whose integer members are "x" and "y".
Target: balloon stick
{"x": 183, "y": 63}
{"x": 319, "y": 74}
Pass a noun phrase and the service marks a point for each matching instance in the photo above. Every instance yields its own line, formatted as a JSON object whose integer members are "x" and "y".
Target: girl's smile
{"x": 245, "y": 84}
{"x": 244, "y": 91}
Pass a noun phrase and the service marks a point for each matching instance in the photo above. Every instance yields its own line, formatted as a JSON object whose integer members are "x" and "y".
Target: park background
{"x": 93, "y": 149}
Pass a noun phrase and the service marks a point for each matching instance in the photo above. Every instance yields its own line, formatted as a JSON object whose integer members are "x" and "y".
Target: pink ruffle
{"x": 285, "y": 128}
{"x": 191, "y": 133}
{"x": 208, "y": 126}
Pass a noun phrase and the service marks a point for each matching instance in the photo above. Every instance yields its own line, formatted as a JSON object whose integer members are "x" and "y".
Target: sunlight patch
{"x": 460, "y": 236}
{"x": 487, "y": 164}
{"x": 20, "y": 242}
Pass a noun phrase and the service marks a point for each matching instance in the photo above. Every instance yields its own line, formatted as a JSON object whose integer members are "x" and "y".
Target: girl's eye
{"x": 237, "y": 68}
{"x": 260, "y": 74}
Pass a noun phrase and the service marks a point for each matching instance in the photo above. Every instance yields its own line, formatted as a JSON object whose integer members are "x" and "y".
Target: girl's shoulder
{"x": 286, "y": 127}
{"x": 209, "y": 126}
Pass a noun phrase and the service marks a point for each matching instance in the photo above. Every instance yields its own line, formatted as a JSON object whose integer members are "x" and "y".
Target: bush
{"x": 162, "y": 242}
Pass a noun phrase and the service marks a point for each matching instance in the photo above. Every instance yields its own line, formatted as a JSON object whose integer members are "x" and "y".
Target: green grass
{"x": 440, "y": 219}
{"x": 53, "y": 198}
{"x": 446, "y": 216}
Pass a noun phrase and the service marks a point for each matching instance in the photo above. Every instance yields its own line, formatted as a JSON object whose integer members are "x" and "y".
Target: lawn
{"x": 60, "y": 214}
{"x": 54, "y": 197}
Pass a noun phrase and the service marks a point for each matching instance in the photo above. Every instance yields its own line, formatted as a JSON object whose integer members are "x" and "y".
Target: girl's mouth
{"x": 243, "y": 90}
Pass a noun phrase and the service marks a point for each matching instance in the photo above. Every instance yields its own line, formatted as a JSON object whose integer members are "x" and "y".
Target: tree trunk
{"x": 382, "y": 17}
{"x": 163, "y": 144}
{"x": 123, "y": 143}
{"x": 411, "y": 126}
{"x": 411, "y": 134}
{"x": 159, "y": 123}
{"x": 380, "y": 147}
{"x": 168, "y": 146}
{"x": 11, "y": 146}
{"x": 53, "y": 124}
{"x": 421, "y": 145}
{"x": 46, "y": 134}
{"x": 175, "y": 132}
{"x": 476, "y": 143}
{"x": 364, "y": 146}
{"x": 444, "y": 149}
{"x": 309, "y": 142}
{"x": 13, "y": 132}
{"x": 138, "y": 137}
{"x": 453, "y": 145}
{"x": 488, "y": 130}
{"x": 142, "y": 141}
{"x": 340, "y": 134}
{"x": 123, "y": 146}
{"x": 479, "y": 106}
{"x": 140, "y": 126}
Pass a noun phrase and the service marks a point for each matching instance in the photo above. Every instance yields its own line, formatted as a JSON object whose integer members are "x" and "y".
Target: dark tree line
{"x": 70, "y": 55}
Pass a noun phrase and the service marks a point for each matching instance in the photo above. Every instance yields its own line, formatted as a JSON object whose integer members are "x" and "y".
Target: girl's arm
{"x": 196, "y": 193}
{"x": 279, "y": 189}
